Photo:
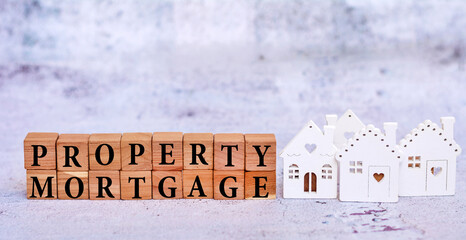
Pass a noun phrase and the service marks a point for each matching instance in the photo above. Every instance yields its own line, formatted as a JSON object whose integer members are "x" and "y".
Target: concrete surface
{"x": 229, "y": 66}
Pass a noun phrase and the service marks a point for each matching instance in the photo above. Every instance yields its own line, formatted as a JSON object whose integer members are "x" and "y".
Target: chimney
{"x": 328, "y": 133}
{"x": 390, "y": 132}
{"x": 447, "y": 125}
{"x": 331, "y": 119}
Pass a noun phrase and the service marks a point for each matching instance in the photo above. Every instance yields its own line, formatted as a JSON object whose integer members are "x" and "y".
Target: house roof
{"x": 429, "y": 127}
{"x": 368, "y": 131}
{"x": 310, "y": 126}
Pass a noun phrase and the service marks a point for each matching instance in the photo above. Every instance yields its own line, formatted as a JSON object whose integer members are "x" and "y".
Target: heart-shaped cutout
{"x": 378, "y": 176}
{"x": 436, "y": 170}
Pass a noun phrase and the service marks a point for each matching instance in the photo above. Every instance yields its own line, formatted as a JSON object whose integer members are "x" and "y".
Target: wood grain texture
{"x": 111, "y": 139}
{"x": 45, "y": 178}
{"x": 110, "y": 180}
{"x": 173, "y": 154}
{"x": 78, "y": 141}
{"x": 260, "y": 185}
{"x": 76, "y": 182}
{"x": 200, "y": 140}
{"x": 171, "y": 187}
{"x": 261, "y": 142}
{"x": 136, "y": 185}
{"x": 48, "y": 141}
{"x": 225, "y": 143}
{"x": 142, "y": 162}
{"x": 198, "y": 184}
{"x": 233, "y": 185}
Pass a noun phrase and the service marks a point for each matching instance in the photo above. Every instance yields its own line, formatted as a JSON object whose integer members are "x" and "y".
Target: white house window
{"x": 293, "y": 172}
{"x": 355, "y": 167}
{"x": 327, "y": 172}
{"x": 414, "y": 162}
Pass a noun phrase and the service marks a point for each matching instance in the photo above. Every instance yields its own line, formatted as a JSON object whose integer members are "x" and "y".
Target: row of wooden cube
{"x": 127, "y": 185}
{"x": 150, "y": 151}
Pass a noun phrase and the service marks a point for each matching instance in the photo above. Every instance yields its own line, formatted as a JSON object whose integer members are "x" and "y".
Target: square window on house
{"x": 359, "y": 163}
{"x": 296, "y": 177}
{"x": 329, "y": 177}
{"x": 418, "y": 158}
{"x": 410, "y": 165}
{"x": 418, "y": 165}
{"x": 351, "y": 170}
{"x": 359, "y": 170}
{"x": 291, "y": 171}
{"x": 324, "y": 177}
{"x": 324, "y": 171}
{"x": 351, "y": 163}
{"x": 296, "y": 171}
{"x": 410, "y": 158}
{"x": 290, "y": 177}
{"x": 329, "y": 171}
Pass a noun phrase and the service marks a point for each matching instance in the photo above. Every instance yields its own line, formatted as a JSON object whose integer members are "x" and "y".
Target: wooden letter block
{"x": 104, "y": 151}
{"x": 39, "y": 151}
{"x": 229, "y": 151}
{"x": 198, "y": 184}
{"x": 198, "y": 151}
{"x": 41, "y": 184}
{"x": 167, "y": 184}
{"x": 72, "y": 152}
{"x": 73, "y": 185}
{"x": 136, "y": 151}
{"x": 167, "y": 151}
{"x": 260, "y": 152}
{"x": 136, "y": 185}
{"x": 104, "y": 185}
{"x": 260, "y": 185}
{"x": 228, "y": 185}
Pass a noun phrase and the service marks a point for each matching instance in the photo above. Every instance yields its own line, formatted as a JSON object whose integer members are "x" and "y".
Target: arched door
{"x": 314, "y": 183}
{"x": 306, "y": 182}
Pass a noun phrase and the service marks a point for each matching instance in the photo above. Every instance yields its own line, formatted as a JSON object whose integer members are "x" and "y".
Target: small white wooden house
{"x": 369, "y": 165}
{"x": 310, "y": 169}
{"x": 429, "y": 165}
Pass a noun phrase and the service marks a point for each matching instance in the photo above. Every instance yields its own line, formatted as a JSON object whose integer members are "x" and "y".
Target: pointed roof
{"x": 368, "y": 131}
{"x": 428, "y": 127}
{"x": 309, "y": 128}
{"x": 347, "y": 123}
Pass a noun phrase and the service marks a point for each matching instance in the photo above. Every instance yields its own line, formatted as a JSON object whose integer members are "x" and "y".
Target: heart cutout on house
{"x": 436, "y": 170}
{"x": 378, "y": 176}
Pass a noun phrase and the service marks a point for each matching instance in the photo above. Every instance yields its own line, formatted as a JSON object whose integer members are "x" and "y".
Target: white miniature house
{"x": 369, "y": 165}
{"x": 346, "y": 126}
{"x": 310, "y": 169}
{"x": 429, "y": 165}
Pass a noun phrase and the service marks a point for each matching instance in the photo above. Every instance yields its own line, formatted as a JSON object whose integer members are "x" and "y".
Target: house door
{"x": 436, "y": 176}
{"x": 313, "y": 182}
{"x": 379, "y": 183}
{"x": 306, "y": 182}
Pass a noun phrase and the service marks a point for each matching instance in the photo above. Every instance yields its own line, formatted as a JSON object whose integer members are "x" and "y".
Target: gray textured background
{"x": 227, "y": 66}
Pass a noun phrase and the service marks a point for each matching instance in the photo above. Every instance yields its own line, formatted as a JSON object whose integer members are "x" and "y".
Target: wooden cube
{"x": 104, "y": 185}
{"x": 73, "y": 152}
{"x": 136, "y": 151}
{"x": 228, "y": 185}
{"x": 198, "y": 151}
{"x": 104, "y": 151}
{"x": 73, "y": 185}
{"x": 260, "y": 185}
{"x": 40, "y": 151}
{"x": 167, "y": 184}
{"x": 260, "y": 152}
{"x": 136, "y": 185}
{"x": 41, "y": 184}
{"x": 167, "y": 151}
{"x": 198, "y": 184}
{"x": 229, "y": 151}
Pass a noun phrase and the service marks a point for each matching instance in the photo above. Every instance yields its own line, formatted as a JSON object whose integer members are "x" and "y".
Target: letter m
{"x": 40, "y": 190}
